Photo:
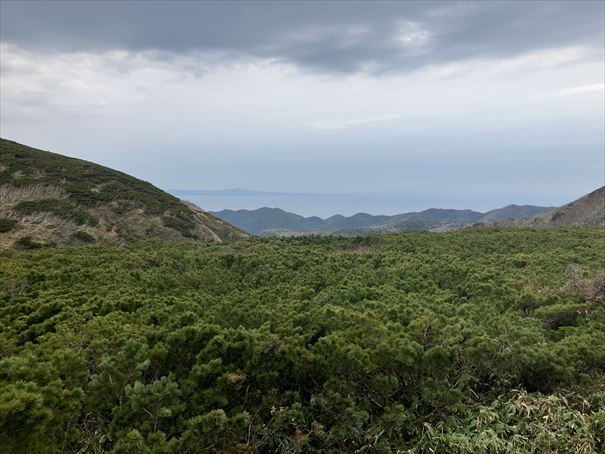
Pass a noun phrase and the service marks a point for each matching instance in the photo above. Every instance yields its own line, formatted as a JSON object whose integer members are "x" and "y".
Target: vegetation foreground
{"x": 474, "y": 341}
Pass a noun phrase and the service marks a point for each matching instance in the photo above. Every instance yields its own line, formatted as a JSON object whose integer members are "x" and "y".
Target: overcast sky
{"x": 448, "y": 100}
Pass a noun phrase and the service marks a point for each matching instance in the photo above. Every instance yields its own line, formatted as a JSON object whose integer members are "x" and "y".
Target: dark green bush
{"x": 560, "y": 314}
{"x": 26, "y": 242}
{"x": 83, "y": 236}
{"x": 6, "y": 225}
{"x": 183, "y": 226}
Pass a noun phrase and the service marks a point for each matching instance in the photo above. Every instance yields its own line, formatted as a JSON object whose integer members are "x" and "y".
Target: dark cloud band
{"x": 327, "y": 36}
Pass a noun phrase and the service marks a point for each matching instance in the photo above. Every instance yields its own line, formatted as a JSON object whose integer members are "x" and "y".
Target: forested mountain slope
{"x": 50, "y": 199}
{"x": 477, "y": 341}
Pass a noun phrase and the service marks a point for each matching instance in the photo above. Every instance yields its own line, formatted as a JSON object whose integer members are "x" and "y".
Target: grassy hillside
{"x": 47, "y": 198}
{"x": 473, "y": 341}
{"x": 587, "y": 211}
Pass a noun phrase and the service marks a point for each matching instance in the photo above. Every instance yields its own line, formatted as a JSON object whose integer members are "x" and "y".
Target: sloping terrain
{"x": 514, "y": 212}
{"x": 586, "y": 211}
{"x": 50, "y": 199}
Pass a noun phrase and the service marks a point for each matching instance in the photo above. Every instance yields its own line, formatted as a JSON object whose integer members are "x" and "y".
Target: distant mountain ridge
{"x": 50, "y": 199}
{"x": 514, "y": 212}
{"x": 277, "y": 222}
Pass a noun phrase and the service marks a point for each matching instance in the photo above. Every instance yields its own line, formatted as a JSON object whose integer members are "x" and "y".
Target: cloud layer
{"x": 324, "y": 36}
{"x": 501, "y": 99}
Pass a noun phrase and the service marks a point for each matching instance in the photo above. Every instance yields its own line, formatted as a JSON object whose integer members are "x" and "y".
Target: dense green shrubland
{"x": 475, "y": 341}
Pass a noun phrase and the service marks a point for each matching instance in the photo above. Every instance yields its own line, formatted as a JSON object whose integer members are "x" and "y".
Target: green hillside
{"x": 50, "y": 199}
{"x": 478, "y": 341}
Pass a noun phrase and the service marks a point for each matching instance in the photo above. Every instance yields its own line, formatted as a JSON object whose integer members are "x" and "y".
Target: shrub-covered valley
{"x": 487, "y": 341}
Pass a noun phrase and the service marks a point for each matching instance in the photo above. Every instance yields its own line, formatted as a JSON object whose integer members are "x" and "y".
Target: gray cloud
{"x": 327, "y": 36}
{"x": 476, "y": 104}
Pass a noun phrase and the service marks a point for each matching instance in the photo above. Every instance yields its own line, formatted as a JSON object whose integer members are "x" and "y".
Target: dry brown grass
{"x": 590, "y": 289}
{"x": 11, "y": 195}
